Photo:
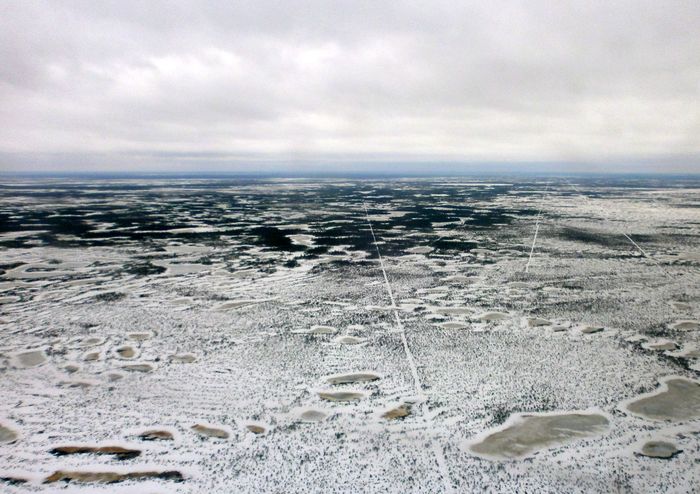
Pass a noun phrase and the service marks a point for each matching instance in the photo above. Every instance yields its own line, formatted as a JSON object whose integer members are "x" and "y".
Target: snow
{"x": 259, "y": 330}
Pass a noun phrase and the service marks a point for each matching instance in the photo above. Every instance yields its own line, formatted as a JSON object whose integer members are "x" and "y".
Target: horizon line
{"x": 339, "y": 174}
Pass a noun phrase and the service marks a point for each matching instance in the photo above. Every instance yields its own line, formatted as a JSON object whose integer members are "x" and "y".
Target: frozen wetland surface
{"x": 350, "y": 336}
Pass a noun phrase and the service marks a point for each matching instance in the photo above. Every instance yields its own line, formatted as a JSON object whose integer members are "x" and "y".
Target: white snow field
{"x": 296, "y": 336}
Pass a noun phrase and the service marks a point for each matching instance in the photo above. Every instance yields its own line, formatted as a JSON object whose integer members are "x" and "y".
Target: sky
{"x": 202, "y": 86}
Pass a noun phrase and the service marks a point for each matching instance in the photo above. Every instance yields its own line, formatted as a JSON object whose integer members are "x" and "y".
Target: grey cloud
{"x": 303, "y": 81}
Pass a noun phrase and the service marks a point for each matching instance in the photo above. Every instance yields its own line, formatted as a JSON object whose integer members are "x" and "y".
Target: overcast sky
{"x": 207, "y": 85}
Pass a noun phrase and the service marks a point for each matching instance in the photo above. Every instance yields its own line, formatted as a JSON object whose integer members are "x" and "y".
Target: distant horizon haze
{"x": 399, "y": 172}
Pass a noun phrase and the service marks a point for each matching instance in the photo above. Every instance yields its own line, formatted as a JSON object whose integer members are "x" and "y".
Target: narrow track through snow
{"x": 409, "y": 356}
{"x": 439, "y": 455}
{"x": 537, "y": 230}
{"x": 605, "y": 217}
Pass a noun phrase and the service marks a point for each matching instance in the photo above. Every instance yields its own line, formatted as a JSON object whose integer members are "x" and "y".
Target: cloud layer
{"x": 223, "y": 85}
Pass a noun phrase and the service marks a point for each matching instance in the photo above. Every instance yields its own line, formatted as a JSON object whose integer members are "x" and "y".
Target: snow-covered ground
{"x": 350, "y": 336}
